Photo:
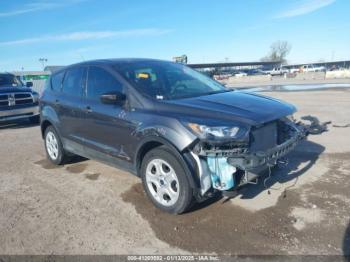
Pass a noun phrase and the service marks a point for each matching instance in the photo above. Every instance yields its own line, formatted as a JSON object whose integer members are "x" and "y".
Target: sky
{"x": 71, "y": 31}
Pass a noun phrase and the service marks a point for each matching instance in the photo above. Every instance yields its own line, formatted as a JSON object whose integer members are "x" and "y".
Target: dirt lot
{"x": 89, "y": 208}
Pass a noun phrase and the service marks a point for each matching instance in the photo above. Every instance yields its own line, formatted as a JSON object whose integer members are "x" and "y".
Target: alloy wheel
{"x": 162, "y": 182}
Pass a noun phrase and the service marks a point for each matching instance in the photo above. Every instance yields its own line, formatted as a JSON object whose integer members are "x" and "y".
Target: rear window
{"x": 56, "y": 81}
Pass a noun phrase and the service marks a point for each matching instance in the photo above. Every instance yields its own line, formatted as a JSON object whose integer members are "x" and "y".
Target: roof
{"x": 52, "y": 68}
{"x": 104, "y": 61}
{"x": 118, "y": 61}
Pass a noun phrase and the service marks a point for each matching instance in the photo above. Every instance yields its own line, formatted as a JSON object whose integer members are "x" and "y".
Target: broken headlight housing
{"x": 218, "y": 132}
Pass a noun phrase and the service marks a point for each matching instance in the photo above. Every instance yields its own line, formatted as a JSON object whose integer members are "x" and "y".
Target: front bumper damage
{"x": 228, "y": 166}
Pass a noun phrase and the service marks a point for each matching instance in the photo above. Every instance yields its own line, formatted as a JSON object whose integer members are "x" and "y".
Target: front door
{"x": 107, "y": 128}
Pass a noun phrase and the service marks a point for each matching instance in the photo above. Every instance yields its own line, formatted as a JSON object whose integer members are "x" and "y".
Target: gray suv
{"x": 185, "y": 135}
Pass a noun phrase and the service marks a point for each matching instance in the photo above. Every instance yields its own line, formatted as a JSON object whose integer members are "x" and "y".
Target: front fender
{"x": 171, "y": 134}
{"x": 168, "y": 128}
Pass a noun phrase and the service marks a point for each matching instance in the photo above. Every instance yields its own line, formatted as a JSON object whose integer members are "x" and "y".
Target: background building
{"x": 37, "y": 77}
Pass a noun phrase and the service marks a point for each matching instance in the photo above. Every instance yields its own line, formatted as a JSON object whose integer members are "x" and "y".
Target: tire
{"x": 54, "y": 150}
{"x": 34, "y": 119}
{"x": 173, "y": 195}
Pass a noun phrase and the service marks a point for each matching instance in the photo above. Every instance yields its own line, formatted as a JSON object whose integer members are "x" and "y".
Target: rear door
{"x": 70, "y": 104}
{"x": 107, "y": 127}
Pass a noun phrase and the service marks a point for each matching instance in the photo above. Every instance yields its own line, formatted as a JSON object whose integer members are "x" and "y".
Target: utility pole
{"x": 43, "y": 61}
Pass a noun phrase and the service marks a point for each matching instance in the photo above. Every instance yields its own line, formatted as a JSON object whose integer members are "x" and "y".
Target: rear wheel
{"x": 165, "y": 181}
{"x": 53, "y": 145}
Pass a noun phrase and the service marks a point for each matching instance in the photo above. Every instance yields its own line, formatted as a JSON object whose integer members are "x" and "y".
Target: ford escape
{"x": 185, "y": 135}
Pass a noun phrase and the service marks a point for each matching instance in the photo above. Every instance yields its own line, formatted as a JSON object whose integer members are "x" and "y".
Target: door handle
{"x": 88, "y": 109}
{"x": 57, "y": 102}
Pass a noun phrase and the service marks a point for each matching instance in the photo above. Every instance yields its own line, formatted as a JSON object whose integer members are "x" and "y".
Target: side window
{"x": 56, "y": 81}
{"x": 73, "y": 81}
{"x": 100, "y": 82}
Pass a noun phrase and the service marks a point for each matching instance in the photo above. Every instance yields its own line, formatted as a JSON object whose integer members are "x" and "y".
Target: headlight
{"x": 207, "y": 132}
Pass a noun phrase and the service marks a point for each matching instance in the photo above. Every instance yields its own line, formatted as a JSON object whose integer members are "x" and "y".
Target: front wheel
{"x": 165, "y": 181}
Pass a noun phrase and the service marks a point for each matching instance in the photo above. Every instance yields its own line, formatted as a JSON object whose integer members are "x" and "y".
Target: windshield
{"x": 166, "y": 80}
{"x": 9, "y": 80}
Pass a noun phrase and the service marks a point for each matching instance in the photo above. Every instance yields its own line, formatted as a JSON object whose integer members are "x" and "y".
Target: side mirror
{"x": 29, "y": 84}
{"x": 113, "y": 98}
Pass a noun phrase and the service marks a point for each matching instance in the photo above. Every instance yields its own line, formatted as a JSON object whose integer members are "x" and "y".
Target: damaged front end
{"x": 229, "y": 163}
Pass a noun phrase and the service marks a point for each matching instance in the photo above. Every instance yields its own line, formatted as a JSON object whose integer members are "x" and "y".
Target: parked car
{"x": 17, "y": 100}
{"x": 222, "y": 76}
{"x": 185, "y": 135}
{"x": 311, "y": 68}
{"x": 278, "y": 71}
{"x": 239, "y": 73}
{"x": 294, "y": 70}
{"x": 253, "y": 72}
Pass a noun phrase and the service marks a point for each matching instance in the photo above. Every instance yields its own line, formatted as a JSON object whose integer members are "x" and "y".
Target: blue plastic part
{"x": 222, "y": 177}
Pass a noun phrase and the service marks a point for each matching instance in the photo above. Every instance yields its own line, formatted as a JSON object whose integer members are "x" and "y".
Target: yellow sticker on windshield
{"x": 143, "y": 75}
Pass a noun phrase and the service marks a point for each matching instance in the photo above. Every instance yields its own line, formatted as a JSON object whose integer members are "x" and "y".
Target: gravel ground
{"x": 89, "y": 208}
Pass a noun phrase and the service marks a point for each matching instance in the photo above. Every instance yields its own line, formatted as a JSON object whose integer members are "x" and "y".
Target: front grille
{"x": 285, "y": 132}
{"x": 12, "y": 99}
{"x": 270, "y": 135}
{"x": 23, "y": 95}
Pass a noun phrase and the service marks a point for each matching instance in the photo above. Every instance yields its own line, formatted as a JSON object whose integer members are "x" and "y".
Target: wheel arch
{"x": 44, "y": 125}
{"x": 48, "y": 116}
{"x": 184, "y": 157}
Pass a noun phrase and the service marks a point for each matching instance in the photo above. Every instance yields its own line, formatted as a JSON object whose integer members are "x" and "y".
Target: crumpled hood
{"x": 248, "y": 108}
{"x": 14, "y": 89}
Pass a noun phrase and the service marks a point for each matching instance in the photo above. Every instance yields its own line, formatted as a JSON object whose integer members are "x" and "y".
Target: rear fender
{"x": 47, "y": 113}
